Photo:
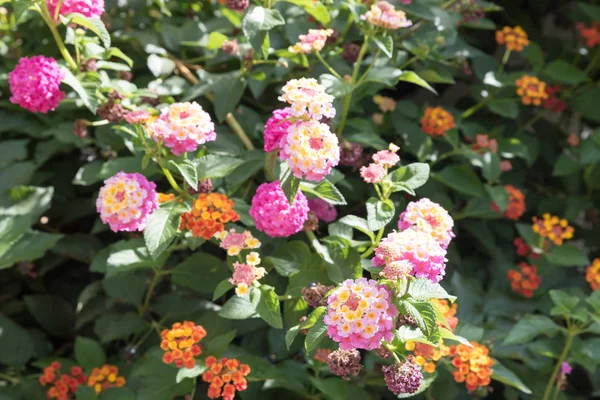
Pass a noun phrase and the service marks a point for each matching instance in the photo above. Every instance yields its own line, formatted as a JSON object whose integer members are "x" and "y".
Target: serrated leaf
{"x": 89, "y": 353}
{"x": 502, "y": 374}
{"x": 162, "y": 227}
{"x": 324, "y": 190}
{"x": 93, "y": 24}
{"x": 422, "y": 289}
{"x": 185, "y": 373}
{"x": 88, "y": 96}
{"x": 411, "y": 176}
{"x": 359, "y": 224}
{"x": 213, "y": 166}
{"x": 238, "y": 307}
{"x": 268, "y": 307}
{"x": 316, "y": 9}
{"x": 315, "y": 334}
{"x": 567, "y": 256}
{"x": 379, "y": 213}
{"x": 424, "y": 315}
{"x": 447, "y": 334}
{"x": 289, "y": 183}
{"x": 529, "y": 327}
{"x": 200, "y": 272}
{"x": 291, "y": 335}
{"x": 385, "y": 44}
{"x": 412, "y": 77}
{"x": 188, "y": 170}
{"x": 289, "y": 257}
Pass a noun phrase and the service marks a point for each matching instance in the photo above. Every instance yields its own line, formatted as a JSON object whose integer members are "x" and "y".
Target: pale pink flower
{"x": 373, "y": 173}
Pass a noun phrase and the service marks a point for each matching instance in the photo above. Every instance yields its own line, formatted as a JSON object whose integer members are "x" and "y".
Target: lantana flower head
{"x": 244, "y": 275}
{"x": 62, "y": 386}
{"x": 590, "y": 35}
{"x": 386, "y": 158}
{"x": 426, "y": 356}
{"x": 105, "y": 377}
{"x": 307, "y": 97}
{"x": 235, "y": 242}
{"x": 428, "y": 217}
{"x": 386, "y": 104}
{"x": 553, "y": 102}
{"x": 525, "y": 280}
{"x": 448, "y": 310}
{"x": 515, "y": 38}
{"x": 344, "y": 363}
{"x": 209, "y": 214}
{"x": 483, "y": 143}
{"x": 276, "y": 128}
{"x": 419, "y": 248}
{"x": 384, "y": 15}
{"x": 436, "y": 121}
{"x": 592, "y": 274}
{"x": 553, "y": 228}
{"x": 531, "y": 90}
{"x": 226, "y": 376}
{"x": 35, "y": 84}
{"x": 126, "y": 201}
{"x": 523, "y": 249}
{"x": 183, "y": 127}
{"x": 473, "y": 365}
{"x": 137, "y": 117}
{"x": 404, "y": 377}
{"x": 372, "y": 173}
{"x": 88, "y": 8}
{"x": 314, "y": 40}
{"x": 274, "y": 215}
{"x": 516, "y": 203}
{"x": 360, "y": 314}
{"x": 324, "y": 211}
{"x": 310, "y": 149}
{"x": 180, "y": 343}
{"x": 505, "y": 165}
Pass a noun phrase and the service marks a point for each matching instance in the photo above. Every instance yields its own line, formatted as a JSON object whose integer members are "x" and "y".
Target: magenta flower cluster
{"x": 274, "y": 215}
{"x": 88, "y": 8}
{"x": 323, "y": 210}
{"x": 360, "y": 314}
{"x": 276, "y": 128}
{"x": 35, "y": 84}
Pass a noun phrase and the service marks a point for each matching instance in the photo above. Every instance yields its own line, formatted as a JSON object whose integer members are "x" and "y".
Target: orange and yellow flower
{"x": 322, "y": 354}
{"x": 165, "y": 197}
{"x": 209, "y": 215}
{"x": 515, "y": 38}
{"x": 553, "y": 228}
{"x": 472, "y": 365}
{"x": 448, "y": 311}
{"x": 426, "y": 355}
{"x": 592, "y": 274}
{"x": 105, "y": 377}
{"x": 516, "y": 203}
{"x": 225, "y": 377}
{"x": 180, "y": 343}
{"x": 531, "y": 90}
{"x": 436, "y": 121}
{"x": 525, "y": 281}
{"x": 62, "y": 386}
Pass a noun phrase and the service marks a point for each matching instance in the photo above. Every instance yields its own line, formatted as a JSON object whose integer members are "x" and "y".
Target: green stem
{"x": 532, "y": 121}
{"x": 592, "y": 63}
{"x": 312, "y": 239}
{"x": 571, "y": 333}
{"x": 284, "y": 297}
{"x": 9, "y": 378}
{"x": 374, "y": 244}
{"x": 446, "y": 155}
{"x": 239, "y": 131}
{"x": 392, "y": 350}
{"x": 153, "y": 283}
{"x": 329, "y": 68}
{"x": 408, "y": 62}
{"x": 476, "y": 107}
{"x": 170, "y": 178}
{"x": 43, "y": 10}
{"x": 504, "y": 61}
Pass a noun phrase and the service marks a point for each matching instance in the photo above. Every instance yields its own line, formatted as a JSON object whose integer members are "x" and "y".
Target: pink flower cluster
{"x": 360, "y": 314}
{"x": 35, "y": 84}
{"x": 244, "y": 275}
{"x": 384, "y": 159}
{"x": 88, "y": 8}
{"x": 428, "y": 217}
{"x": 384, "y": 14}
{"x": 274, "y": 215}
{"x": 313, "y": 41}
{"x": 137, "y": 117}
{"x": 307, "y": 98}
{"x": 310, "y": 149}
{"x": 182, "y": 127}
{"x": 276, "y": 128}
{"x": 420, "y": 249}
{"x": 372, "y": 173}
{"x": 322, "y": 209}
{"x": 235, "y": 242}
{"x": 126, "y": 201}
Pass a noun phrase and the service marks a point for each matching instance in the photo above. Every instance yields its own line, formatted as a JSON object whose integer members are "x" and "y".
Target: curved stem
{"x": 153, "y": 283}
{"x": 563, "y": 356}
{"x": 504, "y": 61}
{"x": 329, "y": 67}
{"x": 371, "y": 249}
{"x": 45, "y": 14}
{"x": 170, "y": 178}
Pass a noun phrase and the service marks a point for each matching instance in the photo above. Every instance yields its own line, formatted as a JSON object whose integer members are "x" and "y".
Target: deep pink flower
{"x": 566, "y": 368}
{"x": 276, "y": 128}
{"x": 324, "y": 211}
{"x": 35, "y": 84}
{"x": 88, "y": 8}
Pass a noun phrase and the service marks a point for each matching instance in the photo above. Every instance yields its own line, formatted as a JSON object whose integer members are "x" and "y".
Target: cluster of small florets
{"x": 483, "y": 143}
{"x": 126, "y": 201}
{"x": 209, "y": 214}
{"x": 35, "y": 84}
{"x": 105, "y": 377}
{"x": 590, "y": 35}
{"x": 523, "y": 249}
{"x": 62, "y": 386}
{"x": 472, "y": 365}
{"x": 225, "y": 377}
{"x": 344, "y": 363}
{"x": 525, "y": 280}
{"x": 182, "y": 127}
{"x": 553, "y": 228}
{"x": 180, "y": 344}
{"x": 308, "y": 99}
{"x": 426, "y": 356}
{"x": 386, "y": 104}
{"x": 244, "y": 275}
{"x": 531, "y": 90}
{"x": 137, "y": 117}
{"x": 516, "y": 203}
{"x": 323, "y": 210}
{"x": 314, "y": 294}
{"x": 515, "y": 38}
{"x": 553, "y": 102}
{"x": 428, "y": 217}
{"x": 403, "y": 377}
{"x": 276, "y": 128}
{"x": 313, "y": 41}
{"x": 592, "y": 274}
{"x": 360, "y": 314}
{"x": 235, "y": 242}
{"x": 448, "y": 311}
{"x": 382, "y": 160}
{"x": 384, "y": 15}
{"x": 424, "y": 254}
{"x": 274, "y": 215}
{"x": 436, "y": 121}
{"x": 88, "y": 8}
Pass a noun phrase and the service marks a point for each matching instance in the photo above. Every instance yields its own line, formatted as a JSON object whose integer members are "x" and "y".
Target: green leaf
{"x": 160, "y": 66}
{"x": 446, "y": 334}
{"x": 460, "y": 178}
{"x": 53, "y": 313}
{"x": 158, "y": 381}
{"x": 424, "y": 315}
{"x": 499, "y": 196}
{"x": 116, "y": 393}
{"x": 585, "y": 103}
{"x": 412, "y": 77}
{"x": 291, "y": 335}
{"x": 188, "y": 170}
{"x": 567, "y": 256}
{"x": 385, "y": 44}
{"x": 162, "y": 227}
{"x": 93, "y": 24}
{"x": 379, "y": 213}
{"x": 504, "y": 375}
{"x": 223, "y": 287}
{"x": 16, "y": 346}
{"x": 227, "y": 94}
{"x": 437, "y": 75}
{"x": 218, "y": 344}
{"x": 89, "y": 353}
{"x": 85, "y": 393}
{"x": 316, "y": 9}
{"x": 238, "y": 307}
{"x": 594, "y": 301}
{"x": 343, "y": 262}
{"x": 123, "y": 256}
{"x": 563, "y": 303}
{"x": 562, "y": 71}
{"x": 185, "y": 373}
{"x": 315, "y": 334}
{"x": 87, "y": 94}
{"x": 422, "y": 289}
{"x": 215, "y": 40}
{"x": 13, "y": 150}
{"x": 335, "y": 86}
{"x": 527, "y": 233}
{"x": 213, "y": 166}
{"x": 126, "y": 287}
{"x": 359, "y": 224}
{"x": 118, "y": 326}
{"x": 387, "y": 76}
{"x": 256, "y": 24}
{"x": 507, "y": 108}
{"x": 324, "y": 190}
{"x": 565, "y": 165}
{"x": 289, "y": 183}
{"x": 313, "y": 317}
{"x": 268, "y": 306}
{"x": 20, "y": 7}
{"x": 22, "y": 246}
{"x": 529, "y": 327}
{"x": 411, "y": 176}
{"x": 201, "y": 272}
{"x": 491, "y": 167}
{"x": 289, "y": 257}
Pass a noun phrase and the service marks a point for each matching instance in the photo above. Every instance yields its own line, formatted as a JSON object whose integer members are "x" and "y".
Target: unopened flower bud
{"x": 350, "y": 52}
{"x": 237, "y": 5}
{"x": 314, "y": 295}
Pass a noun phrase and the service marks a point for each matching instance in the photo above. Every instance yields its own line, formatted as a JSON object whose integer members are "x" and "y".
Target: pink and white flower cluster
{"x": 360, "y": 314}
{"x": 35, "y": 84}
{"x": 428, "y": 217}
{"x": 126, "y": 201}
{"x": 245, "y": 274}
{"x": 308, "y": 99}
{"x": 384, "y": 15}
{"x": 183, "y": 127}
{"x": 88, "y": 8}
{"x": 383, "y": 159}
{"x": 313, "y": 41}
{"x": 424, "y": 254}
{"x": 235, "y": 242}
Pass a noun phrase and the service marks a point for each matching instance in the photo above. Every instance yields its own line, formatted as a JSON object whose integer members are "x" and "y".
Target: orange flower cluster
{"x": 525, "y": 281}
{"x": 516, "y": 203}
{"x": 448, "y": 311}
{"x": 436, "y": 121}
{"x": 165, "y": 197}
{"x": 531, "y": 90}
{"x": 322, "y": 354}
{"x": 209, "y": 215}
{"x": 62, "y": 386}
{"x": 592, "y": 274}
{"x": 591, "y": 35}
{"x": 180, "y": 343}
{"x": 515, "y": 38}
{"x": 221, "y": 373}
{"x": 426, "y": 355}
{"x": 473, "y": 365}
{"x": 105, "y": 377}
{"x": 555, "y": 229}
{"x": 483, "y": 142}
